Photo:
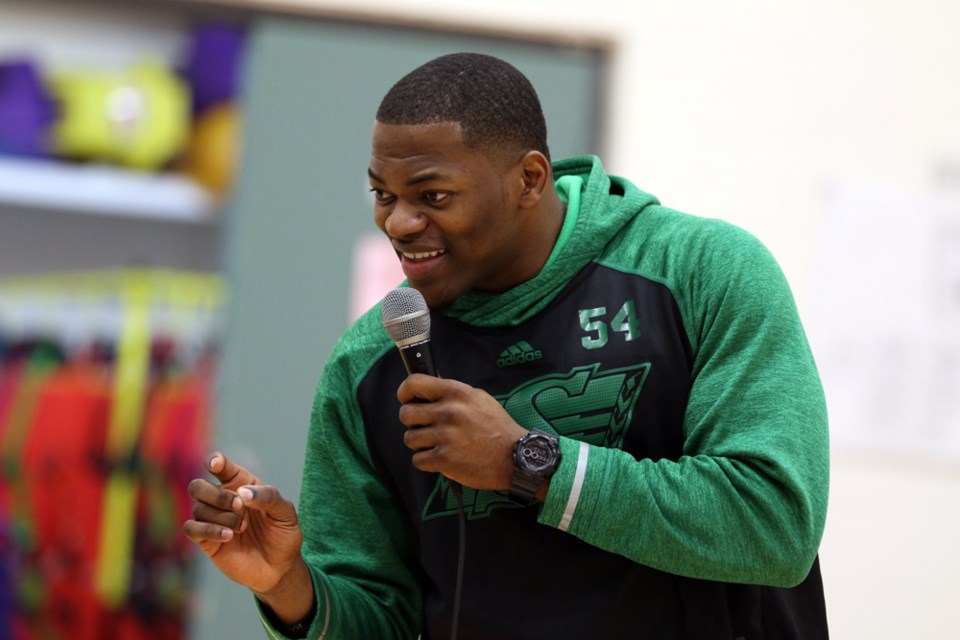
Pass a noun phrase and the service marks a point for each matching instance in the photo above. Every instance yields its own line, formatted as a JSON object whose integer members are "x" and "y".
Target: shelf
{"x": 104, "y": 190}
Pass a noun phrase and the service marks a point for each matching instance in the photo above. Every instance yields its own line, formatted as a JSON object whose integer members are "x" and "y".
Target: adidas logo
{"x": 518, "y": 354}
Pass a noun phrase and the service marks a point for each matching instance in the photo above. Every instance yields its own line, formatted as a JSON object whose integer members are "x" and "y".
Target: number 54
{"x": 625, "y": 322}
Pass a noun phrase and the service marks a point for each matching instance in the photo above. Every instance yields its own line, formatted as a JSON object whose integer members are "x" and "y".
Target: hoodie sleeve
{"x": 746, "y": 502}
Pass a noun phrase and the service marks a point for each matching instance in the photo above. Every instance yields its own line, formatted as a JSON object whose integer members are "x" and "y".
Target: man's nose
{"x": 404, "y": 220}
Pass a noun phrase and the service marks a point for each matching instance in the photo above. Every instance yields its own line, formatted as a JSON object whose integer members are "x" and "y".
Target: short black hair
{"x": 494, "y": 103}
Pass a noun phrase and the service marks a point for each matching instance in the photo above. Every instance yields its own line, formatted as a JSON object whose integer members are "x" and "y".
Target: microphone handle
{"x": 418, "y": 358}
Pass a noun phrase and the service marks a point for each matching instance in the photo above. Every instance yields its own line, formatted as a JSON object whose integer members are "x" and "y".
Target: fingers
{"x": 420, "y": 439}
{"x": 201, "y": 532}
{"x": 229, "y": 472}
{"x": 218, "y": 499}
{"x": 217, "y": 512}
{"x": 211, "y": 494}
{"x": 429, "y": 401}
{"x": 430, "y": 461}
{"x": 268, "y": 499}
{"x": 428, "y": 447}
{"x": 419, "y": 387}
{"x": 237, "y": 503}
{"x": 229, "y": 519}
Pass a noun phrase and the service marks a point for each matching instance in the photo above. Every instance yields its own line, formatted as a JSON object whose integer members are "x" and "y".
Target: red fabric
{"x": 60, "y": 492}
{"x": 62, "y": 461}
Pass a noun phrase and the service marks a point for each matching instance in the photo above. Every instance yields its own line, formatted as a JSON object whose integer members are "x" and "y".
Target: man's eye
{"x": 435, "y": 197}
{"x": 380, "y": 195}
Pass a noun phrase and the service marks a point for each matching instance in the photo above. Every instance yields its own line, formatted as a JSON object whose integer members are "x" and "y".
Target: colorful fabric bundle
{"x": 98, "y": 439}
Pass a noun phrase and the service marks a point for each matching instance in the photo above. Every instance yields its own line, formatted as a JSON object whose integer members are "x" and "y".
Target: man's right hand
{"x": 249, "y": 531}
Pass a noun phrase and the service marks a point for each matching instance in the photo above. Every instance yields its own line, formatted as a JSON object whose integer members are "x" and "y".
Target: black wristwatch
{"x": 535, "y": 458}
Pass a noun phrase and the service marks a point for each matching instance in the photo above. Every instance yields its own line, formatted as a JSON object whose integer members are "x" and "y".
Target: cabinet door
{"x": 301, "y": 205}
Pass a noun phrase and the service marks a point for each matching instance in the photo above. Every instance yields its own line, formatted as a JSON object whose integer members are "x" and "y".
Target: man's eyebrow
{"x": 423, "y": 177}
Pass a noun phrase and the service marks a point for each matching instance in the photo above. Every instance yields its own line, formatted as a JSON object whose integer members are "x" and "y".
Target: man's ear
{"x": 536, "y": 175}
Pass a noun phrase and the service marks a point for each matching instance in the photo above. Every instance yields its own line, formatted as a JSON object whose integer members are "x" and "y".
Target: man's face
{"x": 451, "y": 212}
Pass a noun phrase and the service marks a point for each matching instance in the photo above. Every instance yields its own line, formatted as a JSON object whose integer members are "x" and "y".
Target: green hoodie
{"x": 666, "y": 352}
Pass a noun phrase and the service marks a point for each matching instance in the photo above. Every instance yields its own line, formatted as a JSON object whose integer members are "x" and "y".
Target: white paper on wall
{"x": 886, "y": 320}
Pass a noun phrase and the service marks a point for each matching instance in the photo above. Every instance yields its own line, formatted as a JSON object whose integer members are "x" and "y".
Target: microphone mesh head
{"x": 405, "y": 314}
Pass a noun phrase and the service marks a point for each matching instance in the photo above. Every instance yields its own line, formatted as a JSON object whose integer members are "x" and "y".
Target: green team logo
{"x": 586, "y": 404}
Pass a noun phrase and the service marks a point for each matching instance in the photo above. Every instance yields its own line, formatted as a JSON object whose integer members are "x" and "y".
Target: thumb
{"x": 267, "y": 499}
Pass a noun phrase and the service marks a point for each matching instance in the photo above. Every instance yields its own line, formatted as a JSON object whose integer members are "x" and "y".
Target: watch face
{"x": 537, "y": 454}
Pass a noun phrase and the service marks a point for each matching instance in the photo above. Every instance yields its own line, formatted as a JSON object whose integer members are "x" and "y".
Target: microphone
{"x": 407, "y": 319}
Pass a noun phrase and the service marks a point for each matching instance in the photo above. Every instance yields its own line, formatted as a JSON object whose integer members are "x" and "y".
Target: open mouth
{"x": 420, "y": 265}
{"x": 420, "y": 256}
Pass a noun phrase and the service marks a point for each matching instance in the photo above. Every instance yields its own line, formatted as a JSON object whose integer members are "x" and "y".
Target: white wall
{"x": 746, "y": 110}
{"x": 58, "y": 36}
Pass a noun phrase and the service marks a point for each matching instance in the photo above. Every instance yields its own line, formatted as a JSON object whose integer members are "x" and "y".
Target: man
{"x": 626, "y": 398}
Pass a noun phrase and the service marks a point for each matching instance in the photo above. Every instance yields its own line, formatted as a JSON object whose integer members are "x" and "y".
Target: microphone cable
{"x": 457, "y": 491}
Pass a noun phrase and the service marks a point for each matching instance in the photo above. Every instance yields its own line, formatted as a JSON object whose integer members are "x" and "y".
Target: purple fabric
{"x": 26, "y": 110}
{"x": 213, "y": 67}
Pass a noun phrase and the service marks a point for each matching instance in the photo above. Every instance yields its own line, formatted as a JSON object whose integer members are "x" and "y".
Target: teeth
{"x": 422, "y": 256}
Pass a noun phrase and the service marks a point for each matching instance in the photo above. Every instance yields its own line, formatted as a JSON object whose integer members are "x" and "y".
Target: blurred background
{"x": 185, "y": 229}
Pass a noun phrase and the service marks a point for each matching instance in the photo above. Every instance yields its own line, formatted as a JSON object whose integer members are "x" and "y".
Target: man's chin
{"x": 435, "y": 298}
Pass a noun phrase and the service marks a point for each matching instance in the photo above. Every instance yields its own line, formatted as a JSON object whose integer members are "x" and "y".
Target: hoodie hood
{"x": 607, "y": 204}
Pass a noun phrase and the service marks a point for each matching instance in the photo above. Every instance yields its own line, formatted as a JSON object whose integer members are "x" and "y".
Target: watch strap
{"x": 524, "y": 486}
